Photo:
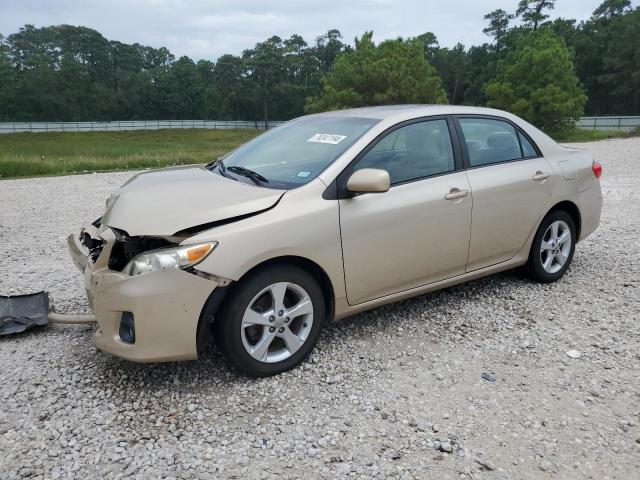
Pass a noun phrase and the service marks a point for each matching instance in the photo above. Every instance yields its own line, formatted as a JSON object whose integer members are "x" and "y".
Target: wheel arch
{"x": 220, "y": 294}
{"x": 573, "y": 211}
{"x": 309, "y": 266}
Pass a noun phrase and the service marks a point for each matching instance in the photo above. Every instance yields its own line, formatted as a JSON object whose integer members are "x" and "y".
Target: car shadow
{"x": 213, "y": 370}
{"x": 389, "y": 315}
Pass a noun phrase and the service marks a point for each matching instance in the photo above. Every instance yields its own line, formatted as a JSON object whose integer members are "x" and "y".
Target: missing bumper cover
{"x": 20, "y": 312}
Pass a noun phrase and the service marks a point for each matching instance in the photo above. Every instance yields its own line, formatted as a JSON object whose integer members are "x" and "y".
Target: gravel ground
{"x": 395, "y": 392}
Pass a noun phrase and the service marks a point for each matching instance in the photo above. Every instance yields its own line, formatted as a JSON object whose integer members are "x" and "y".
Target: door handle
{"x": 456, "y": 193}
{"x": 541, "y": 175}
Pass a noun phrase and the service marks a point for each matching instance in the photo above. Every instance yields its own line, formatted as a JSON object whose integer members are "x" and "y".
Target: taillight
{"x": 597, "y": 169}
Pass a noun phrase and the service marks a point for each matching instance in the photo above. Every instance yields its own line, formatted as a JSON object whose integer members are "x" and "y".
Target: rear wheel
{"x": 552, "y": 248}
{"x": 272, "y": 321}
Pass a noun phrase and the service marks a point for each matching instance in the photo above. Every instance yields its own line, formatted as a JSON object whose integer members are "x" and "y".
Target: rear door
{"x": 512, "y": 185}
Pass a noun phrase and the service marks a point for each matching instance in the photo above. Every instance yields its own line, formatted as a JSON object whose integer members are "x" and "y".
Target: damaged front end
{"x": 126, "y": 248}
{"x": 87, "y": 246}
{"x": 138, "y": 264}
{"x": 148, "y": 314}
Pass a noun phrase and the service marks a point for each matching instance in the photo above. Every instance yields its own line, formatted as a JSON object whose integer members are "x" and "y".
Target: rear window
{"x": 490, "y": 141}
{"x": 527, "y": 149}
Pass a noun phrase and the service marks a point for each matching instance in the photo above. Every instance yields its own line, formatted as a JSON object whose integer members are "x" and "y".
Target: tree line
{"x": 547, "y": 70}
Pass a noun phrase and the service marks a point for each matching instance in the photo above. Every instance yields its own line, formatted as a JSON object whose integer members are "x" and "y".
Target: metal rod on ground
{"x": 70, "y": 319}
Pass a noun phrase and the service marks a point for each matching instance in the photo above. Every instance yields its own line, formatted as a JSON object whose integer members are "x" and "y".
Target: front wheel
{"x": 272, "y": 321}
{"x": 552, "y": 248}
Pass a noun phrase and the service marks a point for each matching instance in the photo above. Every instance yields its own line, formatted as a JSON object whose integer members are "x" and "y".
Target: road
{"x": 395, "y": 392}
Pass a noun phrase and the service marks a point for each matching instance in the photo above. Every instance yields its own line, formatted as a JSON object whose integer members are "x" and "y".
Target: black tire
{"x": 534, "y": 266}
{"x": 228, "y": 323}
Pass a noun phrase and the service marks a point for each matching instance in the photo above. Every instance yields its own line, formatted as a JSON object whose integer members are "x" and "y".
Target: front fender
{"x": 302, "y": 225}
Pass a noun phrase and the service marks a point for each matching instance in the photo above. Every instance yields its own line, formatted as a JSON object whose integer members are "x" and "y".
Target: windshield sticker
{"x": 303, "y": 174}
{"x": 327, "y": 138}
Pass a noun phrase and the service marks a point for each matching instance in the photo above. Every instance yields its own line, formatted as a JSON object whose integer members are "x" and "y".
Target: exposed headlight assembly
{"x": 178, "y": 257}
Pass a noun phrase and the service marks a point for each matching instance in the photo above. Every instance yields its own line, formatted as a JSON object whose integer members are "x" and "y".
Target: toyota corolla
{"x": 323, "y": 217}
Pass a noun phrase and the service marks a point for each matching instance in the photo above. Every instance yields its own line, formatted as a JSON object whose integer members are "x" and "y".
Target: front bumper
{"x": 165, "y": 304}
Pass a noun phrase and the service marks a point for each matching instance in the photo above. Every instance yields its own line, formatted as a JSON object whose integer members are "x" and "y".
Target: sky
{"x": 206, "y": 29}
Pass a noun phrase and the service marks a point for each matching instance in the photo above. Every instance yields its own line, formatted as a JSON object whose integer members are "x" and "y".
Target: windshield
{"x": 294, "y": 153}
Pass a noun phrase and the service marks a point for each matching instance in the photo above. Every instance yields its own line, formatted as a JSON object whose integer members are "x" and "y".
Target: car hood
{"x": 165, "y": 202}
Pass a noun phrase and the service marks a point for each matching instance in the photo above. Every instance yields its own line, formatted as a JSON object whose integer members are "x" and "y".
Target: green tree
{"x": 7, "y": 83}
{"x": 265, "y": 69}
{"x": 537, "y": 81}
{"x": 228, "y": 85}
{"x": 610, "y": 9}
{"x": 498, "y": 26}
{"x": 606, "y": 56}
{"x": 179, "y": 90}
{"x": 452, "y": 66}
{"x": 68, "y": 72}
{"x": 565, "y": 29}
{"x": 430, "y": 44}
{"x": 463, "y": 72}
{"x": 73, "y": 89}
{"x": 482, "y": 65}
{"x": 395, "y": 71}
{"x": 532, "y": 11}
{"x": 621, "y": 75}
{"x": 327, "y": 48}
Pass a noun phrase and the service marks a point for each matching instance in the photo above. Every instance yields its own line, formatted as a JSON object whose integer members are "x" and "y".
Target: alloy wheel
{"x": 277, "y": 322}
{"x": 555, "y": 246}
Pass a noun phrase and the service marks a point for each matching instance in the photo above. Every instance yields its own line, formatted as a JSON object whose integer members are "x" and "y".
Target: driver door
{"x": 417, "y": 232}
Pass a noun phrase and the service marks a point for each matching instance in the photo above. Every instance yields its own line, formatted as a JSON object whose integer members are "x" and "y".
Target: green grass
{"x": 578, "y": 135}
{"x": 69, "y": 152}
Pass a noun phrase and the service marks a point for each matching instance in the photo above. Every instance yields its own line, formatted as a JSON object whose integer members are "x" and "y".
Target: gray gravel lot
{"x": 395, "y": 392}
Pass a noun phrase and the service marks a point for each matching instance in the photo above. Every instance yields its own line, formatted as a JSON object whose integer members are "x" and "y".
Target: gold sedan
{"x": 323, "y": 217}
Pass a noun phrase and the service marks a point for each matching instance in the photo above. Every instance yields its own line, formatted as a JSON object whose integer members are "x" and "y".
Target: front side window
{"x": 411, "y": 152}
{"x": 294, "y": 153}
{"x": 490, "y": 141}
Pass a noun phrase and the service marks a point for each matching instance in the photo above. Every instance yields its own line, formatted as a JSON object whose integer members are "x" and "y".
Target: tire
{"x": 548, "y": 258}
{"x": 251, "y": 318}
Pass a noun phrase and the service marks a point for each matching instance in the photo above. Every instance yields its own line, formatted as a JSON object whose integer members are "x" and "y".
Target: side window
{"x": 527, "y": 149}
{"x": 490, "y": 141}
{"x": 415, "y": 151}
{"x": 386, "y": 144}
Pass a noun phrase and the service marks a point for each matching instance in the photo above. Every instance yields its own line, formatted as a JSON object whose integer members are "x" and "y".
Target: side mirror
{"x": 369, "y": 180}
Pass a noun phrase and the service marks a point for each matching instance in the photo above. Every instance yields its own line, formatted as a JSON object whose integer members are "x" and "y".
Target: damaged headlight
{"x": 178, "y": 257}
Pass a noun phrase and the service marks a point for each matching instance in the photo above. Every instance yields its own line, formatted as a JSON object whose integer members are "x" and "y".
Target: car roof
{"x": 385, "y": 112}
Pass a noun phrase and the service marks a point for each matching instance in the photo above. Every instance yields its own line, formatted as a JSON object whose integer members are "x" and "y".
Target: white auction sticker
{"x": 327, "y": 138}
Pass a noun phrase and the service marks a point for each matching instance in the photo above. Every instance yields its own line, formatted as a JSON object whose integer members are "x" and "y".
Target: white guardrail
{"x": 626, "y": 124}
{"x": 116, "y": 126}
{"x": 622, "y": 124}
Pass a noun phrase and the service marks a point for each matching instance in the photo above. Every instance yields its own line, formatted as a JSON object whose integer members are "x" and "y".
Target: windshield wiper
{"x": 219, "y": 164}
{"x": 255, "y": 177}
{"x": 216, "y": 163}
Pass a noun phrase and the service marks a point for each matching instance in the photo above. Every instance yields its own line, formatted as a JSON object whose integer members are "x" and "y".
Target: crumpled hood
{"x": 164, "y": 202}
